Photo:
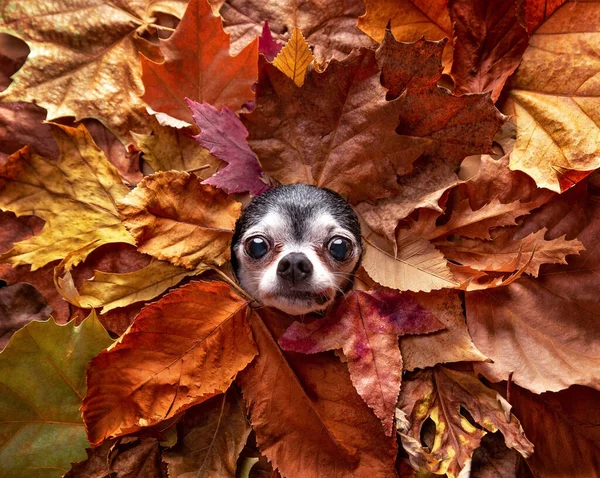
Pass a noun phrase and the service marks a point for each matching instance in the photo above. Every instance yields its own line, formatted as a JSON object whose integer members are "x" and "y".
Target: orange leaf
{"x": 197, "y": 65}
{"x": 180, "y": 351}
{"x": 294, "y": 58}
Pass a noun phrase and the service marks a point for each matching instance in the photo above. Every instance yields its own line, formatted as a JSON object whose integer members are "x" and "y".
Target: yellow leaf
{"x": 75, "y": 195}
{"x": 555, "y": 99}
{"x": 294, "y": 58}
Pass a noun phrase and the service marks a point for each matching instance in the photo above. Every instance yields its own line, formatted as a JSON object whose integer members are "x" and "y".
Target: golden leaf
{"x": 75, "y": 195}
{"x": 294, "y": 58}
{"x": 555, "y": 99}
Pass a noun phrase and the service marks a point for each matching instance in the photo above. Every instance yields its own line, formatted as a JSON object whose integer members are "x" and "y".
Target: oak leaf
{"x": 556, "y": 109}
{"x": 294, "y": 58}
{"x": 488, "y": 44}
{"x": 366, "y": 326}
{"x": 20, "y": 304}
{"x": 211, "y": 437}
{"x": 553, "y": 353}
{"x": 313, "y": 404}
{"x": 330, "y": 27}
{"x": 174, "y": 217}
{"x": 197, "y": 65}
{"x": 42, "y": 376}
{"x": 223, "y": 134}
{"x": 75, "y": 195}
{"x": 84, "y": 60}
{"x": 440, "y": 395}
{"x": 180, "y": 351}
{"x": 312, "y": 133}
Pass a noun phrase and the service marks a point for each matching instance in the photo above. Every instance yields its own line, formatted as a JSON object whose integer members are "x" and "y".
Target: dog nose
{"x": 295, "y": 268}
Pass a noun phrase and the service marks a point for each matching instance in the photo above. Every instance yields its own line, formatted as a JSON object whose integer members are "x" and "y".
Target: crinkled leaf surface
{"x": 174, "y": 217}
{"x": 308, "y": 419}
{"x": 180, "y": 351}
{"x": 554, "y": 97}
{"x": 84, "y": 59}
{"x": 75, "y": 195}
{"x": 366, "y": 326}
{"x": 42, "y": 378}
{"x": 197, "y": 65}
{"x": 439, "y": 394}
{"x": 223, "y": 134}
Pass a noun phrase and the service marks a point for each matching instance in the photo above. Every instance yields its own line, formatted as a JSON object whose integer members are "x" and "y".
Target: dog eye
{"x": 256, "y": 247}
{"x": 340, "y": 248}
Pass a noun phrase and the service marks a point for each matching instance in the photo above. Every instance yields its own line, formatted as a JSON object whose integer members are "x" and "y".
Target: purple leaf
{"x": 267, "y": 45}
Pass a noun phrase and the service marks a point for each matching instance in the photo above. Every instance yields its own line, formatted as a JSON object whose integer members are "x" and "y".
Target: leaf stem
{"x": 160, "y": 27}
{"x": 233, "y": 284}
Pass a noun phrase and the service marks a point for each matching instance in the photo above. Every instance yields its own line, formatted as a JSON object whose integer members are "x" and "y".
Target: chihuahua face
{"x": 295, "y": 247}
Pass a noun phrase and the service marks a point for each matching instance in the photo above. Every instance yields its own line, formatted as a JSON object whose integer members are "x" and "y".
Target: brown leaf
{"x": 310, "y": 134}
{"x": 19, "y": 304}
{"x": 84, "y": 61}
{"x": 329, "y": 27}
{"x": 366, "y": 326}
{"x": 440, "y": 395}
{"x": 493, "y": 459}
{"x": 211, "y": 437}
{"x": 556, "y": 107}
{"x": 537, "y": 11}
{"x": 552, "y": 353}
{"x": 75, "y": 195}
{"x": 197, "y": 65}
{"x": 313, "y": 403}
{"x": 488, "y": 44}
{"x": 180, "y": 351}
{"x": 176, "y": 218}
{"x": 453, "y": 344}
{"x": 564, "y": 428}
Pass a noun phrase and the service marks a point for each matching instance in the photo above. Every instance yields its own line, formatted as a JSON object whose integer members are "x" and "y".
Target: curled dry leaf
{"x": 19, "y": 304}
{"x": 42, "y": 377}
{"x": 329, "y": 26}
{"x": 211, "y": 437}
{"x": 176, "y": 218}
{"x": 552, "y": 353}
{"x": 489, "y": 41}
{"x": 557, "y": 119}
{"x": 84, "y": 62}
{"x": 294, "y": 58}
{"x": 452, "y": 344}
{"x": 313, "y": 404}
{"x": 223, "y": 134}
{"x": 440, "y": 394}
{"x": 180, "y": 351}
{"x": 197, "y": 65}
{"x": 75, "y": 195}
{"x": 366, "y": 326}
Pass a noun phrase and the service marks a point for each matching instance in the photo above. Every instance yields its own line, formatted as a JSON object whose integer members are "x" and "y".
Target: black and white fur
{"x": 299, "y": 223}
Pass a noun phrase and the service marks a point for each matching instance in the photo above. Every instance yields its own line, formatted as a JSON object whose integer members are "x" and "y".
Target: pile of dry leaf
{"x": 464, "y": 133}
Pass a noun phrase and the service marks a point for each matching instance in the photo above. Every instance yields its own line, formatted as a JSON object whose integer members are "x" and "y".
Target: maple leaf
{"x": 439, "y": 395}
{"x": 537, "y": 11}
{"x": 19, "y": 305}
{"x": 557, "y": 118}
{"x": 330, "y": 27}
{"x": 294, "y": 58}
{"x": 559, "y": 425}
{"x": 180, "y": 351}
{"x": 366, "y": 326}
{"x": 224, "y": 135}
{"x": 452, "y": 344}
{"x": 267, "y": 45}
{"x": 488, "y": 44}
{"x": 409, "y": 20}
{"x": 84, "y": 61}
{"x": 75, "y": 195}
{"x": 169, "y": 148}
{"x": 315, "y": 404}
{"x": 212, "y": 436}
{"x": 197, "y": 65}
{"x": 312, "y": 133}
{"x": 173, "y": 217}
{"x": 42, "y": 375}
{"x": 552, "y": 353}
